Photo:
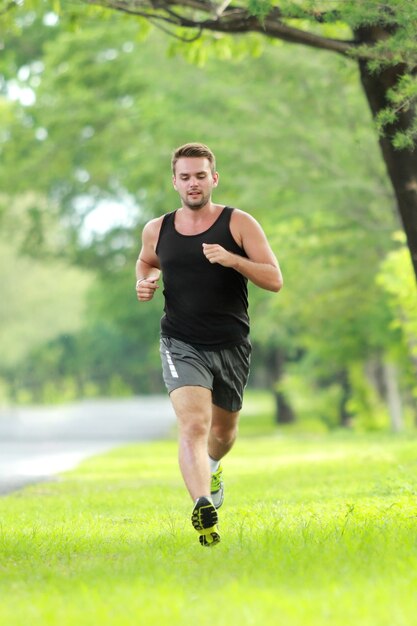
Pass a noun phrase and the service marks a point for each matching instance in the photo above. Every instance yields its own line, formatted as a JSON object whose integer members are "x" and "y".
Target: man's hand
{"x": 216, "y": 254}
{"x": 145, "y": 289}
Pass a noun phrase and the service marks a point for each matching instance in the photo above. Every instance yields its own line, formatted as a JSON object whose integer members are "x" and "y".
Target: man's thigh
{"x": 183, "y": 365}
{"x": 192, "y": 405}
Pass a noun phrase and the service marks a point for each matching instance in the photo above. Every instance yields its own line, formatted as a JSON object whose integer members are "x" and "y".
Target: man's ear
{"x": 215, "y": 179}
{"x": 174, "y": 184}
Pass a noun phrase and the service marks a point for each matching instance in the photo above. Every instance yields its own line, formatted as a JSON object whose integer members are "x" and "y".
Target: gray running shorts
{"x": 224, "y": 371}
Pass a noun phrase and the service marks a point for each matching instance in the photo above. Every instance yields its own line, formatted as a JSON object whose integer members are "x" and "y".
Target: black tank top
{"x": 205, "y": 304}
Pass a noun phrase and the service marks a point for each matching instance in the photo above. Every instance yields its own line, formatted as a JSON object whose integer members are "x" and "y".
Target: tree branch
{"x": 232, "y": 19}
{"x": 157, "y": 24}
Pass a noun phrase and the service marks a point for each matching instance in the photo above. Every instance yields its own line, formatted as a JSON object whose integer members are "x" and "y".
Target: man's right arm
{"x": 147, "y": 265}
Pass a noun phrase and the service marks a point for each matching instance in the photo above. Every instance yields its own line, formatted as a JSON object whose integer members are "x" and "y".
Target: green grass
{"x": 315, "y": 530}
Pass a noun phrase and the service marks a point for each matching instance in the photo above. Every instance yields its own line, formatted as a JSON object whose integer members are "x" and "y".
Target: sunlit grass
{"x": 314, "y": 530}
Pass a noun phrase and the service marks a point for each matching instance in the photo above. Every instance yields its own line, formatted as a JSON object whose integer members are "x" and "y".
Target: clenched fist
{"x": 145, "y": 288}
{"x": 216, "y": 254}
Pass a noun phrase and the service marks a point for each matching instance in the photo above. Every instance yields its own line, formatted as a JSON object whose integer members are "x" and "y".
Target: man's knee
{"x": 224, "y": 433}
{"x": 193, "y": 429}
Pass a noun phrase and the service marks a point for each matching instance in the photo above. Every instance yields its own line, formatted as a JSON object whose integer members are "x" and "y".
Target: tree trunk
{"x": 284, "y": 413}
{"x": 393, "y": 396}
{"x": 345, "y": 415}
{"x": 383, "y": 376}
{"x": 401, "y": 164}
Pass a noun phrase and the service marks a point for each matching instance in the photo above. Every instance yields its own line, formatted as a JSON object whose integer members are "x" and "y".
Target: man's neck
{"x": 200, "y": 213}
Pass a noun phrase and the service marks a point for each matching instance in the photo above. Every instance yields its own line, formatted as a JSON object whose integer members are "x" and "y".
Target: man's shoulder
{"x": 241, "y": 217}
{"x": 155, "y": 224}
{"x": 152, "y": 228}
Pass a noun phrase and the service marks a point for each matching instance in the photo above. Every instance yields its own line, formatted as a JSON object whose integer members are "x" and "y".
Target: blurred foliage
{"x": 39, "y": 299}
{"x": 397, "y": 280}
{"x": 392, "y": 44}
{"x": 295, "y": 148}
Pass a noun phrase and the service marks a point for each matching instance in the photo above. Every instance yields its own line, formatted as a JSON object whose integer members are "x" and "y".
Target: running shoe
{"x": 204, "y": 518}
{"x": 217, "y": 488}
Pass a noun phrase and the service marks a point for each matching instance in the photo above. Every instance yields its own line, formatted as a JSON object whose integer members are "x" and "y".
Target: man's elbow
{"x": 277, "y": 284}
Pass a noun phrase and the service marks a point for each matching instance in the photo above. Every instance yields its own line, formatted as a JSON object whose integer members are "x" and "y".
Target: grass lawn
{"x": 315, "y": 530}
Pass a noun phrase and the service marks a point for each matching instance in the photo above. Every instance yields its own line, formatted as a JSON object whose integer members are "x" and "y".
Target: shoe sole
{"x": 211, "y": 539}
{"x": 208, "y": 536}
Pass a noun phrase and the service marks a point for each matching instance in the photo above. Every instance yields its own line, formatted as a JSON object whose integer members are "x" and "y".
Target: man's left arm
{"x": 261, "y": 267}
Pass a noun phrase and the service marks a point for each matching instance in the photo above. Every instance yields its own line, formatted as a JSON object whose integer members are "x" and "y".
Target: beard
{"x": 196, "y": 203}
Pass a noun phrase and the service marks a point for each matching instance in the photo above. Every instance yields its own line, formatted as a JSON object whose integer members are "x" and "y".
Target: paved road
{"x": 38, "y": 442}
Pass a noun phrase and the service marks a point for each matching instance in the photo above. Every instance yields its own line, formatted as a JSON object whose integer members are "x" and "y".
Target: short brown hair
{"x": 194, "y": 150}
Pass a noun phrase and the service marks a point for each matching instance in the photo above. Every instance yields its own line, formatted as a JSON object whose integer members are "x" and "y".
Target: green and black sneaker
{"x": 204, "y": 518}
{"x": 217, "y": 488}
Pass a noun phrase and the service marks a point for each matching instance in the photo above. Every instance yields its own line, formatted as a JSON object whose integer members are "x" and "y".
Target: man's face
{"x": 194, "y": 181}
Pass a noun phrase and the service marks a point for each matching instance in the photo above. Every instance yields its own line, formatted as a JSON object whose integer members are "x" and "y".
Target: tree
{"x": 379, "y": 37}
{"x": 305, "y": 164}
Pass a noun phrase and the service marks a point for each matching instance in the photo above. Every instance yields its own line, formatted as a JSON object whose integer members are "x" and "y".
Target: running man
{"x": 206, "y": 252}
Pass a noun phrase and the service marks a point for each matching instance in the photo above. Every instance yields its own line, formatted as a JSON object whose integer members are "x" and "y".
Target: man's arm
{"x": 261, "y": 267}
{"x": 147, "y": 265}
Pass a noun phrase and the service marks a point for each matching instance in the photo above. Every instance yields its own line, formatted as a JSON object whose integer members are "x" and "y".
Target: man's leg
{"x": 192, "y": 406}
{"x": 223, "y": 432}
{"x": 221, "y": 439}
